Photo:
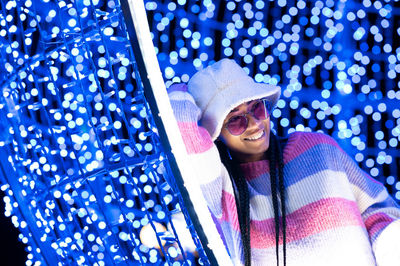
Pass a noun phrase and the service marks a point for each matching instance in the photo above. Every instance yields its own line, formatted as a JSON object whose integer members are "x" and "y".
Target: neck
{"x": 248, "y": 158}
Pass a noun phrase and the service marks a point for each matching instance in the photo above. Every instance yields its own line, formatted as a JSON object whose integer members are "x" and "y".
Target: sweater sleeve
{"x": 201, "y": 150}
{"x": 380, "y": 213}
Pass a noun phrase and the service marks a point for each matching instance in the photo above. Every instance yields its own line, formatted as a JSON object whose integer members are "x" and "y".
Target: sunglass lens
{"x": 259, "y": 111}
{"x": 237, "y": 125}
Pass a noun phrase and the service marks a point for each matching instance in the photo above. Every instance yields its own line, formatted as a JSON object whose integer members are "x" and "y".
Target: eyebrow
{"x": 237, "y": 109}
{"x": 234, "y": 110}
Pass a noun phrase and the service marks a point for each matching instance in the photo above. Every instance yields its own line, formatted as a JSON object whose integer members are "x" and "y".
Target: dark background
{"x": 12, "y": 251}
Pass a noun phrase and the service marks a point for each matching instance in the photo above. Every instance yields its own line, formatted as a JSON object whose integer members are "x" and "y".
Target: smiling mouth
{"x": 256, "y": 137}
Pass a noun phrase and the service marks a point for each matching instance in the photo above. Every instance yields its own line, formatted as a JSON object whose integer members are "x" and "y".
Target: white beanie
{"x": 223, "y": 86}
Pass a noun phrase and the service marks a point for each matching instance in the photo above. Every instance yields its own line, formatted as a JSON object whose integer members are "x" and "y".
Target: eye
{"x": 259, "y": 110}
{"x": 234, "y": 120}
{"x": 257, "y": 106}
{"x": 237, "y": 124}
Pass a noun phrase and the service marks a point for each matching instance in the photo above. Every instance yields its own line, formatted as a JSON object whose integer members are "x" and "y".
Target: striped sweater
{"x": 336, "y": 213}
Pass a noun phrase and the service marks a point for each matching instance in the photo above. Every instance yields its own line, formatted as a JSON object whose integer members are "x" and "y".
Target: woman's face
{"x": 252, "y": 144}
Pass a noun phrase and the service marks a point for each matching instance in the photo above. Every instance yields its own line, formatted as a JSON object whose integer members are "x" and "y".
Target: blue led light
{"x": 77, "y": 133}
{"x": 184, "y": 22}
{"x": 323, "y": 55}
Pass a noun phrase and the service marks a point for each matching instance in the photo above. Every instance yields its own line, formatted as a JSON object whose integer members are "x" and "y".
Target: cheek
{"x": 266, "y": 124}
{"x": 231, "y": 141}
{"x": 267, "y": 130}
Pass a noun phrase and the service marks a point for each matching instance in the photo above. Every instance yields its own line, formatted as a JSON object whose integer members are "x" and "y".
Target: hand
{"x": 183, "y": 104}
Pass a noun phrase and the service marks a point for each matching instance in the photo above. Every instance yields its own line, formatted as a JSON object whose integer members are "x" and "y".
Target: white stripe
{"x": 207, "y": 165}
{"x": 365, "y": 200}
{"x": 346, "y": 246}
{"x": 322, "y": 185}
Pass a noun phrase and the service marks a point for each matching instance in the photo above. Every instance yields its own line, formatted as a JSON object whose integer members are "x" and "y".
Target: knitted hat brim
{"x": 226, "y": 100}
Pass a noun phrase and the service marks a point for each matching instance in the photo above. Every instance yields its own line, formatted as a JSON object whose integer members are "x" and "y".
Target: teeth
{"x": 259, "y": 135}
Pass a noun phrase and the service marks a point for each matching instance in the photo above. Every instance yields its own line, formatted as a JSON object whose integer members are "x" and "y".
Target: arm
{"x": 200, "y": 147}
{"x": 379, "y": 211}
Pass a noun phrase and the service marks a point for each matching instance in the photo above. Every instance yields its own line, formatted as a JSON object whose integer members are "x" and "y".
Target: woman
{"x": 294, "y": 201}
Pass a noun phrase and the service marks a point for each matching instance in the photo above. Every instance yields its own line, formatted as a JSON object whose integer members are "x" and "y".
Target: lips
{"x": 256, "y": 136}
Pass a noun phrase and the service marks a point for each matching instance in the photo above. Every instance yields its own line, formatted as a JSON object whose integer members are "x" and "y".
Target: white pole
{"x": 213, "y": 241}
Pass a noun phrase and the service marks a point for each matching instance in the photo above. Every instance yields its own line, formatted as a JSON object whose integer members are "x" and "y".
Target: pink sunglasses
{"x": 238, "y": 124}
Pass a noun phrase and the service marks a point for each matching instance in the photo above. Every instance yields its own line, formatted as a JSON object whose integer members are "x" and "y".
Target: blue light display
{"x": 84, "y": 174}
{"x": 337, "y": 62}
{"x": 85, "y": 177}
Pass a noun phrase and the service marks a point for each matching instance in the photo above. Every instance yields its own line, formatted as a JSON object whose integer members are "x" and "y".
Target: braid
{"x": 274, "y": 194}
{"x": 283, "y": 198}
{"x": 241, "y": 198}
{"x": 244, "y": 212}
{"x": 274, "y": 151}
{"x": 274, "y": 155}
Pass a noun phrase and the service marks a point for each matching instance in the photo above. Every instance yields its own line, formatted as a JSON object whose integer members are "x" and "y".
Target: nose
{"x": 253, "y": 122}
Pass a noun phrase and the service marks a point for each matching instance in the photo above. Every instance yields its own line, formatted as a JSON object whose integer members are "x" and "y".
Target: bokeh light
{"x": 82, "y": 166}
{"x": 84, "y": 174}
{"x": 336, "y": 61}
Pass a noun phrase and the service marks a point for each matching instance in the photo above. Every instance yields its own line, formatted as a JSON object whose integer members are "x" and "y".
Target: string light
{"x": 77, "y": 132}
{"x": 326, "y": 52}
{"x": 87, "y": 181}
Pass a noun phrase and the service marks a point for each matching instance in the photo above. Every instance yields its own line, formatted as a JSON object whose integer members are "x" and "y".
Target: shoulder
{"x": 311, "y": 138}
{"x": 311, "y": 143}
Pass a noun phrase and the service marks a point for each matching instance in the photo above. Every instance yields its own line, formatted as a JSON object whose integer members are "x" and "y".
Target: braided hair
{"x": 274, "y": 155}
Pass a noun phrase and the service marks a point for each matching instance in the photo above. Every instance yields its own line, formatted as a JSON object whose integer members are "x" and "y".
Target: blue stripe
{"x": 306, "y": 164}
{"x": 388, "y": 203}
{"x": 316, "y": 159}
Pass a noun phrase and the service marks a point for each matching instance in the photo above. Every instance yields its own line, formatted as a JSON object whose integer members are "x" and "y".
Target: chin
{"x": 252, "y": 154}
{"x": 261, "y": 147}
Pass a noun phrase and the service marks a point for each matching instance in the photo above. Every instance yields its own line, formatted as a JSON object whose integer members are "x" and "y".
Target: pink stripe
{"x": 196, "y": 138}
{"x": 375, "y": 223}
{"x": 312, "y": 219}
{"x": 300, "y": 142}
{"x": 253, "y": 170}
{"x": 229, "y": 211}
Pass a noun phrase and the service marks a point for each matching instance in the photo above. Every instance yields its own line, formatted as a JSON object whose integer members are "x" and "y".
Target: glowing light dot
{"x": 57, "y": 194}
{"x": 102, "y": 225}
{"x": 107, "y": 199}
